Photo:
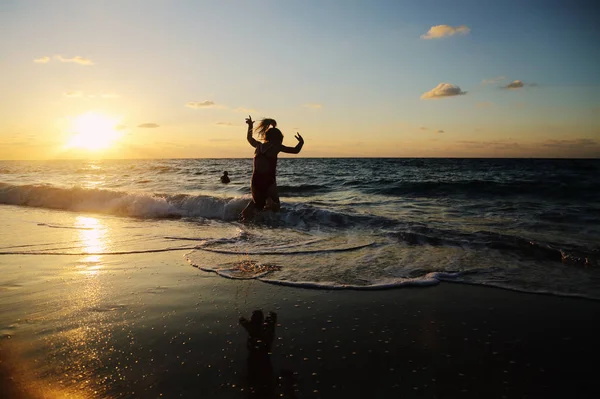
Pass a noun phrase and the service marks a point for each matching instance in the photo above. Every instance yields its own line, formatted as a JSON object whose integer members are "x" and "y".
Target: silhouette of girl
{"x": 263, "y": 185}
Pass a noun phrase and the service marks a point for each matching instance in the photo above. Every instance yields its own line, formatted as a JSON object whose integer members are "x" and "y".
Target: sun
{"x": 93, "y": 132}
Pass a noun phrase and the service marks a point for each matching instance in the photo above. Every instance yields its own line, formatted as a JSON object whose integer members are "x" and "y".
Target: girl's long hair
{"x": 264, "y": 125}
{"x": 267, "y": 130}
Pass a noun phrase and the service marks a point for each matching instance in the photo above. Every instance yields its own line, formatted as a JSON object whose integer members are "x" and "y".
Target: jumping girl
{"x": 263, "y": 184}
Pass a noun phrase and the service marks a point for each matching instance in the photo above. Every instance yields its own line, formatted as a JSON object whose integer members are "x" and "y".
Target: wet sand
{"x": 145, "y": 326}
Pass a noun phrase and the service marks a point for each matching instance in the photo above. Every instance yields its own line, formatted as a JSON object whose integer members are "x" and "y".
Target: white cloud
{"x": 443, "y": 90}
{"x": 148, "y": 125}
{"x": 77, "y": 60}
{"x": 73, "y": 94}
{"x": 313, "y": 106}
{"x": 42, "y": 60}
{"x": 203, "y": 104}
{"x": 439, "y": 31}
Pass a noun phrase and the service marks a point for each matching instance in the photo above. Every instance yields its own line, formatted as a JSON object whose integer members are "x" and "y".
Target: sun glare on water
{"x": 93, "y": 132}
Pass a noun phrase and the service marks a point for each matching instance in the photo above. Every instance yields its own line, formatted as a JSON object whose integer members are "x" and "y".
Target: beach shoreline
{"x": 162, "y": 327}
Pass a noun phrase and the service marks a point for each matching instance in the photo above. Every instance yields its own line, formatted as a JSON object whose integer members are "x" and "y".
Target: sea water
{"x": 521, "y": 224}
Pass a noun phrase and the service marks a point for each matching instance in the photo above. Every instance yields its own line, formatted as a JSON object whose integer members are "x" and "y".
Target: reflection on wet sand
{"x": 92, "y": 236}
{"x": 261, "y": 379}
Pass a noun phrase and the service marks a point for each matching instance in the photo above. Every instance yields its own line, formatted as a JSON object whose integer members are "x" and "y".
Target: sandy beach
{"x": 147, "y": 326}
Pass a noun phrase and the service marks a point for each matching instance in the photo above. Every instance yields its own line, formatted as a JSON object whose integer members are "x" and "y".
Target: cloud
{"x": 313, "y": 106}
{"x": 570, "y": 143}
{"x": 493, "y": 144}
{"x": 42, "y": 60}
{"x": 225, "y": 124}
{"x": 423, "y": 128}
{"x": 109, "y": 95}
{"x": 120, "y": 127}
{"x": 148, "y": 125}
{"x": 518, "y": 84}
{"x": 77, "y": 60}
{"x": 515, "y": 84}
{"x": 484, "y": 104}
{"x": 203, "y": 104}
{"x": 443, "y": 90}
{"x": 439, "y": 31}
{"x": 440, "y": 131}
{"x": 493, "y": 81}
{"x": 73, "y": 94}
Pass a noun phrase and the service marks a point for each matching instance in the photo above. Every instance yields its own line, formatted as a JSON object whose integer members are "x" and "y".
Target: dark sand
{"x": 447, "y": 341}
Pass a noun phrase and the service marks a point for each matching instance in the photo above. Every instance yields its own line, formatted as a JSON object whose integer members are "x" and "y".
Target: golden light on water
{"x": 93, "y": 132}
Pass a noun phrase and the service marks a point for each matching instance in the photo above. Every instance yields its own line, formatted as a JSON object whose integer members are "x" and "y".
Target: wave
{"x": 485, "y": 188}
{"x": 148, "y": 206}
{"x": 524, "y": 247}
{"x": 303, "y": 189}
{"x": 121, "y": 203}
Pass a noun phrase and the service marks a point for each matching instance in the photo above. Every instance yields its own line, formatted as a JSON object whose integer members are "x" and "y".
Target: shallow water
{"x": 529, "y": 225}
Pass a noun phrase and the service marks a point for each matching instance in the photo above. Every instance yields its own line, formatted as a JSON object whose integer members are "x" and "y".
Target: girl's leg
{"x": 249, "y": 210}
{"x": 273, "y": 196}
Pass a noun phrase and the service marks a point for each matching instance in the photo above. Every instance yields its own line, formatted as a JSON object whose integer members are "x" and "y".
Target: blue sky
{"x": 349, "y": 75}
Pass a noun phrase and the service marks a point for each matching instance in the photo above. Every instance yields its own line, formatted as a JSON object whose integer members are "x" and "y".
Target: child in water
{"x": 263, "y": 184}
{"x": 225, "y": 178}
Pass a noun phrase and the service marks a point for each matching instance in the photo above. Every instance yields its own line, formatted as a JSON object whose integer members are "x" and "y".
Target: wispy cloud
{"x": 443, "y": 90}
{"x": 313, "y": 106}
{"x": 108, "y": 95}
{"x": 494, "y": 144}
{"x": 77, "y": 60}
{"x": 439, "y": 31}
{"x": 148, "y": 125}
{"x": 73, "y": 94}
{"x": 120, "y": 127}
{"x": 225, "y": 124}
{"x": 575, "y": 143}
{"x": 203, "y": 104}
{"x": 484, "y": 104}
{"x": 440, "y": 131}
{"x": 493, "y": 81}
{"x": 424, "y": 128}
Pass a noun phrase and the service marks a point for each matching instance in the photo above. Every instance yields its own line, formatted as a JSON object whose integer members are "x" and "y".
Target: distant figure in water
{"x": 225, "y": 177}
{"x": 263, "y": 184}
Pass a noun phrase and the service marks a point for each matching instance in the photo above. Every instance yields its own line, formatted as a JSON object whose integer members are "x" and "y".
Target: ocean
{"x": 528, "y": 225}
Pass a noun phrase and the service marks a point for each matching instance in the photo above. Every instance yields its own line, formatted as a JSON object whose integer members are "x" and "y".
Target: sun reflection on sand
{"x": 92, "y": 235}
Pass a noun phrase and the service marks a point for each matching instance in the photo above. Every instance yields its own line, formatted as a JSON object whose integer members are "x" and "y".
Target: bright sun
{"x": 93, "y": 132}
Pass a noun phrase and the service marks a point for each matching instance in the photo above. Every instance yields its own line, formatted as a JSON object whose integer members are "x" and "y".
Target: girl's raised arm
{"x": 253, "y": 142}
{"x": 297, "y": 148}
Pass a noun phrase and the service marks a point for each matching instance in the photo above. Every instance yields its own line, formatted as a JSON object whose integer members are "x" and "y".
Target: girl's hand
{"x": 299, "y": 138}
{"x": 249, "y": 121}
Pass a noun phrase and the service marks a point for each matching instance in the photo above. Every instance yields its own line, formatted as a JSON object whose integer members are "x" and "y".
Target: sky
{"x": 177, "y": 78}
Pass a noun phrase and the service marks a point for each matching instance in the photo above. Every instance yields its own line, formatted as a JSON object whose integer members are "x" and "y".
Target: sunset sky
{"x": 175, "y": 79}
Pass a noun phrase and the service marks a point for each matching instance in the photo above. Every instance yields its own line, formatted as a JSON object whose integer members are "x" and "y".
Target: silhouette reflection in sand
{"x": 262, "y": 382}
